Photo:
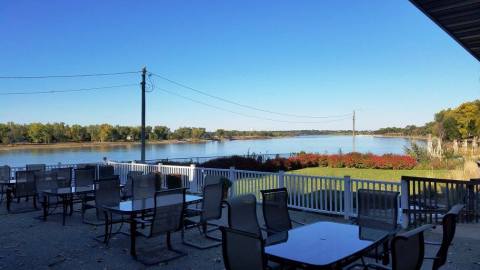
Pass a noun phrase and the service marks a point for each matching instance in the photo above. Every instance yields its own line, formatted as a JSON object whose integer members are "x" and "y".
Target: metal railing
{"x": 428, "y": 199}
{"x": 321, "y": 194}
{"x": 423, "y": 200}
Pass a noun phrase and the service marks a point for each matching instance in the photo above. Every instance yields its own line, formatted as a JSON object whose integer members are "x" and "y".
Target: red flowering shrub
{"x": 350, "y": 160}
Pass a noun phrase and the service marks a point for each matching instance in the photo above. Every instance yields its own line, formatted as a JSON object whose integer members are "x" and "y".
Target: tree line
{"x": 11, "y": 133}
{"x": 458, "y": 123}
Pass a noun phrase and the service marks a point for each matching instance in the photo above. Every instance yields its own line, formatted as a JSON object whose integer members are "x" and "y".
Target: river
{"x": 320, "y": 144}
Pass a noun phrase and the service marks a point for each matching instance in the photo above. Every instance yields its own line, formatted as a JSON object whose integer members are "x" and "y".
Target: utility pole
{"x": 353, "y": 131}
{"x": 142, "y": 135}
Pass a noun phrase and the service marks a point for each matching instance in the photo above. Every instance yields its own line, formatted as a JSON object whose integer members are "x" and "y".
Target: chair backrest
{"x": 174, "y": 181}
{"x": 129, "y": 184}
{"x": 242, "y": 250}
{"x": 64, "y": 176}
{"x": 105, "y": 171}
{"x": 5, "y": 173}
{"x": 275, "y": 210}
{"x": 144, "y": 186}
{"x": 36, "y": 167}
{"x": 45, "y": 180}
{"x": 25, "y": 185}
{"x": 168, "y": 213}
{"x": 242, "y": 214}
{"x": 212, "y": 202}
{"x": 84, "y": 177}
{"x": 107, "y": 192}
{"x": 212, "y": 179}
{"x": 449, "y": 224}
{"x": 408, "y": 249}
{"x": 377, "y": 209}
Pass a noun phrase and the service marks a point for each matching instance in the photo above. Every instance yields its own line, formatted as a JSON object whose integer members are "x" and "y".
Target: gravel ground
{"x": 29, "y": 243}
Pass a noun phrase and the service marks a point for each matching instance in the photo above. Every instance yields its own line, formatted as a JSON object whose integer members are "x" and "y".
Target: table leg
{"x": 9, "y": 198}
{"x": 64, "y": 204}
{"x": 133, "y": 234}
{"x": 45, "y": 207}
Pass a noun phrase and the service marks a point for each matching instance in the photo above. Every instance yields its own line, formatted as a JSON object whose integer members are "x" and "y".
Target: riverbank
{"x": 69, "y": 145}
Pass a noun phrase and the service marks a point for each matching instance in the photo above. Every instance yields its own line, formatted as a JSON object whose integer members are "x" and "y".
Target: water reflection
{"x": 319, "y": 144}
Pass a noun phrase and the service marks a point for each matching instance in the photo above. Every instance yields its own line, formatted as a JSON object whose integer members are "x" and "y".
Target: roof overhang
{"x": 459, "y": 18}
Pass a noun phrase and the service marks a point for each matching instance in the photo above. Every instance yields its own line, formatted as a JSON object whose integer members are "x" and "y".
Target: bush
{"x": 300, "y": 161}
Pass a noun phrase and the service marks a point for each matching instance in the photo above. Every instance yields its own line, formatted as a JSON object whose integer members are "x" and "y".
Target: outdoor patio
{"x": 29, "y": 243}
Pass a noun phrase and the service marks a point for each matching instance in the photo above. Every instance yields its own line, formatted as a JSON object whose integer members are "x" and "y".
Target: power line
{"x": 68, "y": 90}
{"x": 248, "y": 115}
{"x": 246, "y": 106}
{"x": 69, "y": 76}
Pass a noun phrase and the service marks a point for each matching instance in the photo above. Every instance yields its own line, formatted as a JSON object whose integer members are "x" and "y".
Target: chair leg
{"x": 178, "y": 253}
{"x": 200, "y": 226}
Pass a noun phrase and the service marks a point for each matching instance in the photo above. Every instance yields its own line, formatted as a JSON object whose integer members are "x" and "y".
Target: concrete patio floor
{"x": 29, "y": 243}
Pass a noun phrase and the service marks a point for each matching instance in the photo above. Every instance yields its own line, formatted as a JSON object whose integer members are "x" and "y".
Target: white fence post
{"x": 347, "y": 197}
{"x": 281, "y": 179}
{"x": 231, "y": 177}
{"x": 191, "y": 178}
{"x": 404, "y": 203}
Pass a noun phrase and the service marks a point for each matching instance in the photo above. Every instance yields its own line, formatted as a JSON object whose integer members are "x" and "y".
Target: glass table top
{"x": 145, "y": 204}
{"x": 70, "y": 190}
{"x": 322, "y": 244}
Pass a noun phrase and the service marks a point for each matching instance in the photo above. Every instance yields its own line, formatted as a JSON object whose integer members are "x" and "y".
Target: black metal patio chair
{"x": 407, "y": 250}
{"x": 275, "y": 210}
{"x": 36, "y": 167}
{"x": 64, "y": 176}
{"x": 242, "y": 214}
{"x": 5, "y": 176}
{"x": 201, "y": 218}
{"x": 45, "y": 180}
{"x": 24, "y": 187}
{"x": 174, "y": 181}
{"x": 84, "y": 177}
{"x": 243, "y": 250}
{"x": 167, "y": 218}
{"x": 378, "y": 210}
{"x": 128, "y": 189}
{"x": 144, "y": 186}
{"x": 107, "y": 193}
{"x": 105, "y": 171}
{"x": 449, "y": 224}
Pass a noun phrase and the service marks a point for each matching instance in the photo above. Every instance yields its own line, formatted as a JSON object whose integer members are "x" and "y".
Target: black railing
{"x": 429, "y": 199}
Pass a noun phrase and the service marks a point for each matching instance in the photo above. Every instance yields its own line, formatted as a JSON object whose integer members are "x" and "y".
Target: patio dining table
{"x": 132, "y": 208}
{"x": 66, "y": 195}
{"x": 323, "y": 245}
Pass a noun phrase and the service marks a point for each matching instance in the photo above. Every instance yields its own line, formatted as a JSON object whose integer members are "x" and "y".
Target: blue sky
{"x": 383, "y": 58}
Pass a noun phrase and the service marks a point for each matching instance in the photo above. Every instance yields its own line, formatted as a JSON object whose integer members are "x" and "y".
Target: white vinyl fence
{"x": 330, "y": 195}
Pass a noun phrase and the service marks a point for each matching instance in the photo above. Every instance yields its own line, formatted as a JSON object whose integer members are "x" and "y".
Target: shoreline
{"x": 67, "y": 145}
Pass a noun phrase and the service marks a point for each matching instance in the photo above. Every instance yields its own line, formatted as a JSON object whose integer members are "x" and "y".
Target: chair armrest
{"x": 298, "y": 222}
{"x": 433, "y": 243}
{"x": 430, "y": 258}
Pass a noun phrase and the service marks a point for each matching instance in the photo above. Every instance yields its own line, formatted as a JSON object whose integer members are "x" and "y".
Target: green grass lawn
{"x": 372, "y": 174}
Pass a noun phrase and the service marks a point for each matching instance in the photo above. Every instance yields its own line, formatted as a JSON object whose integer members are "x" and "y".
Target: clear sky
{"x": 383, "y": 58}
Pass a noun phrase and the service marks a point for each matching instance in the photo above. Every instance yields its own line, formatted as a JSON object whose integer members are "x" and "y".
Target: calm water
{"x": 320, "y": 144}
